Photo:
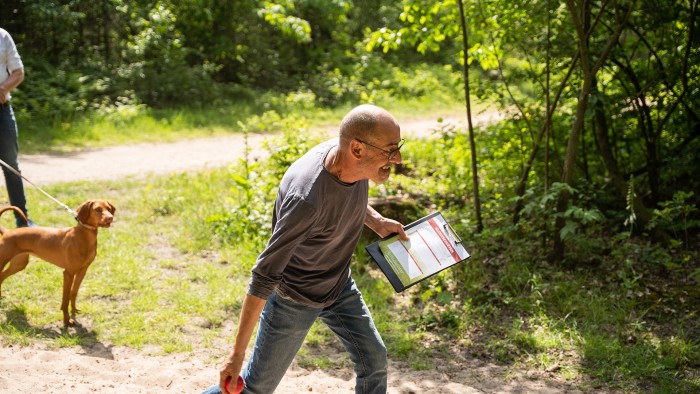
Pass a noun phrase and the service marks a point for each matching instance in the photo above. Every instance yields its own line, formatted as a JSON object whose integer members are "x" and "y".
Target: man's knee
{"x": 377, "y": 360}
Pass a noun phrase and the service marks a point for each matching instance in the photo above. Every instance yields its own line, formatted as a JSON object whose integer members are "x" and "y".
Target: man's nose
{"x": 396, "y": 159}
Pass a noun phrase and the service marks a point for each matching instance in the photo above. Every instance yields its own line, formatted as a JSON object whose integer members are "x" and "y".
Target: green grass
{"x": 168, "y": 277}
{"x": 161, "y": 280}
{"x": 145, "y": 287}
{"x": 128, "y": 125}
{"x": 134, "y": 124}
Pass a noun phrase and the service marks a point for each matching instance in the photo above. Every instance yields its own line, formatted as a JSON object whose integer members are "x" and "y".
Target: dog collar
{"x": 87, "y": 226}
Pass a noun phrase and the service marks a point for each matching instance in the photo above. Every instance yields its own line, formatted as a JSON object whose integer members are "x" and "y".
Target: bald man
{"x": 304, "y": 272}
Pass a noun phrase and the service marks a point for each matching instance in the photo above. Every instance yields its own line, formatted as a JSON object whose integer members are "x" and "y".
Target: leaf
{"x": 241, "y": 182}
{"x": 569, "y": 231}
{"x": 444, "y": 297}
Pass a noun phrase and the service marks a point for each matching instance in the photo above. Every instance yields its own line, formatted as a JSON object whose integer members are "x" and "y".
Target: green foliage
{"x": 175, "y": 53}
{"x": 255, "y": 183}
{"x": 623, "y": 313}
{"x": 429, "y": 26}
{"x": 276, "y": 15}
{"x": 435, "y": 171}
{"x": 576, "y": 218}
{"x": 163, "y": 77}
{"x": 678, "y": 216}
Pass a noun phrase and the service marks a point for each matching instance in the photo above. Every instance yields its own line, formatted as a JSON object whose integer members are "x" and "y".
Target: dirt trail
{"x": 139, "y": 160}
{"x": 122, "y": 370}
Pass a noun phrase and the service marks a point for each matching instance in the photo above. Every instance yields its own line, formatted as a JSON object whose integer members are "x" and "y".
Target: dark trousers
{"x": 9, "y": 152}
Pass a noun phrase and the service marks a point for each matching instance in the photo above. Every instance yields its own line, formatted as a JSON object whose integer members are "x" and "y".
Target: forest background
{"x": 580, "y": 205}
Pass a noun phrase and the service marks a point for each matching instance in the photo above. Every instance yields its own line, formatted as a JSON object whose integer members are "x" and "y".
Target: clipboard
{"x": 433, "y": 247}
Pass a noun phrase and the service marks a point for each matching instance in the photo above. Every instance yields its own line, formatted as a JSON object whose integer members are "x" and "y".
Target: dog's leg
{"x": 67, "y": 284}
{"x": 74, "y": 290}
{"x": 17, "y": 263}
{"x": 2, "y": 278}
{"x": 2, "y": 265}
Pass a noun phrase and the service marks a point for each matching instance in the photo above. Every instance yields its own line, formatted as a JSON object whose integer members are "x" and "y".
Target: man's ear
{"x": 356, "y": 148}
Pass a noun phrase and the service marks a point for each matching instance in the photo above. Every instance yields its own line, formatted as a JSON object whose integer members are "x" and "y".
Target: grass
{"x": 134, "y": 124}
{"x": 158, "y": 279}
{"x": 167, "y": 278}
{"x": 130, "y": 124}
{"x": 147, "y": 285}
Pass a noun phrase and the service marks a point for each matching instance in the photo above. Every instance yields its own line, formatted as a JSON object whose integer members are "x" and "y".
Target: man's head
{"x": 371, "y": 137}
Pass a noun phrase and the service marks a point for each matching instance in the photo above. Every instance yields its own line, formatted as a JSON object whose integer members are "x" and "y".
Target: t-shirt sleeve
{"x": 295, "y": 218}
{"x": 14, "y": 62}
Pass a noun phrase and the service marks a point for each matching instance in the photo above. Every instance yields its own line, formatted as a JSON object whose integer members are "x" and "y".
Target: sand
{"x": 107, "y": 369}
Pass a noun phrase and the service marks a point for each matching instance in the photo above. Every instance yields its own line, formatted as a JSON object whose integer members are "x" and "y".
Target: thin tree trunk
{"x": 472, "y": 144}
{"x": 606, "y": 153}
{"x": 580, "y": 17}
{"x": 548, "y": 104}
{"x": 520, "y": 188}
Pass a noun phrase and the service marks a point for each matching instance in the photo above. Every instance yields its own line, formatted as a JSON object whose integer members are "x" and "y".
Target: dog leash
{"x": 66, "y": 207}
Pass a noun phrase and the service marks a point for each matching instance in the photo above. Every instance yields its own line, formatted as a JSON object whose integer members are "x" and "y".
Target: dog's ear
{"x": 110, "y": 207}
{"x": 84, "y": 211}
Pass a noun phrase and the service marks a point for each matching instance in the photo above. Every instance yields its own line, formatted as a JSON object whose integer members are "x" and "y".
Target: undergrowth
{"x": 620, "y": 314}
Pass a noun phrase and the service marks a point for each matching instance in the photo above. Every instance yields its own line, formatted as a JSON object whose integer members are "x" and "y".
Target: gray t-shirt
{"x": 315, "y": 227}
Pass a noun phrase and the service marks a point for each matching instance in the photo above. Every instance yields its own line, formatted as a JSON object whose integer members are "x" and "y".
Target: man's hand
{"x": 390, "y": 226}
{"x": 230, "y": 369}
{"x": 16, "y": 77}
{"x": 383, "y": 226}
{"x": 250, "y": 313}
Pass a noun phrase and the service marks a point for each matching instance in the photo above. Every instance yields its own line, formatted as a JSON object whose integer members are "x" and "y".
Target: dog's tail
{"x": 11, "y": 208}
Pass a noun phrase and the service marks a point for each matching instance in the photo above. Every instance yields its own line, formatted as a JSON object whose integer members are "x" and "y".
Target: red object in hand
{"x": 240, "y": 384}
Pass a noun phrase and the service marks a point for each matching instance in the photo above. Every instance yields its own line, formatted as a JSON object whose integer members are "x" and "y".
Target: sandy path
{"x": 160, "y": 158}
{"x": 123, "y": 370}
{"x": 107, "y": 369}
{"x": 133, "y": 160}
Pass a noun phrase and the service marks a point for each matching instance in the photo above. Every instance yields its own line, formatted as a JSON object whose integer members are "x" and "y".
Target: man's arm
{"x": 250, "y": 313}
{"x": 383, "y": 226}
{"x": 15, "y": 78}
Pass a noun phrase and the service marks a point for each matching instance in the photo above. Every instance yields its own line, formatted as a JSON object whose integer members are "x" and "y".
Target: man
{"x": 11, "y": 75}
{"x": 304, "y": 272}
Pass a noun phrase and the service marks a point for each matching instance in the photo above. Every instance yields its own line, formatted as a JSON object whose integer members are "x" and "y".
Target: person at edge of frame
{"x": 11, "y": 75}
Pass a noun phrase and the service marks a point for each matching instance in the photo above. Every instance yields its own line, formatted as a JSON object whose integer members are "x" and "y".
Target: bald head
{"x": 364, "y": 122}
{"x": 370, "y": 139}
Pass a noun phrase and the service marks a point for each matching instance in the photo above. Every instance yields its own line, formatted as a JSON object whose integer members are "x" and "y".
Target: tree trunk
{"x": 472, "y": 144}
{"x": 605, "y": 150}
{"x": 581, "y": 17}
{"x": 520, "y": 188}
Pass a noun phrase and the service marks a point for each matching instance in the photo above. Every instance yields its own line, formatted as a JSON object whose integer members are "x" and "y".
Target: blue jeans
{"x": 283, "y": 328}
{"x": 9, "y": 152}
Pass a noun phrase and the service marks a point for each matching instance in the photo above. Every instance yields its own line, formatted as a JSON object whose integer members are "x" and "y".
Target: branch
{"x": 613, "y": 40}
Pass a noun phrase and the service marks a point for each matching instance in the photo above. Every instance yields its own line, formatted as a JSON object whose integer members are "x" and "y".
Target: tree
{"x": 428, "y": 27}
{"x": 472, "y": 144}
{"x": 589, "y": 65}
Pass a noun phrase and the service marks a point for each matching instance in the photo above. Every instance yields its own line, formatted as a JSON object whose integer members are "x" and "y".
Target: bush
{"x": 255, "y": 183}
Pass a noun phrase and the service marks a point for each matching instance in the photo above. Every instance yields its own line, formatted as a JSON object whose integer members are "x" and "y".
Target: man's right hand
{"x": 250, "y": 313}
{"x": 231, "y": 369}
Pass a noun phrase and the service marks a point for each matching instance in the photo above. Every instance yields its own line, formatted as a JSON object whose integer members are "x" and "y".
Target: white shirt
{"x": 9, "y": 57}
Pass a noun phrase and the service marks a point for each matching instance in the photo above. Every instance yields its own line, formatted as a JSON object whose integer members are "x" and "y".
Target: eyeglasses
{"x": 390, "y": 153}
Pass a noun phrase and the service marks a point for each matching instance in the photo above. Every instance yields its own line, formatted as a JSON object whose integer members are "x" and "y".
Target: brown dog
{"x": 70, "y": 248}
